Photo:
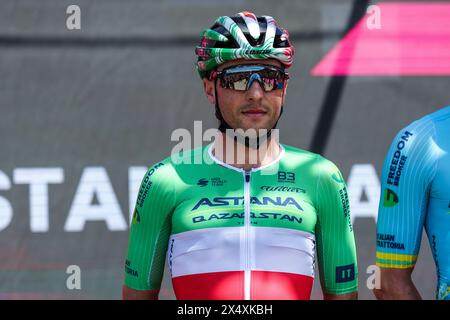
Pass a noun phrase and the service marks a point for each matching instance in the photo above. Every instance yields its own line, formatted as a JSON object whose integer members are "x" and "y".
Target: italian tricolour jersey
{"x": 231, "y": 234}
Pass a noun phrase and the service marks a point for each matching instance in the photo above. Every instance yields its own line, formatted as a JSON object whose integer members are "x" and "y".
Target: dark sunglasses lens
{"x": 273, "y": 79}
{"x": 269, "y": 84}
{"x": 239, "y": 81}
{"x": 238, "y": 78}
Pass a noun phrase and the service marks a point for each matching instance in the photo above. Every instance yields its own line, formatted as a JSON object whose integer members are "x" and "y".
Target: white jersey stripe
{"x": 218, "y": 250}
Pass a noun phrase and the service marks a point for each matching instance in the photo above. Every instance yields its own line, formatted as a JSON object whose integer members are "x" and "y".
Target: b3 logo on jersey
{"x": 390, "y": 198}
{"x": 286, "y": 176}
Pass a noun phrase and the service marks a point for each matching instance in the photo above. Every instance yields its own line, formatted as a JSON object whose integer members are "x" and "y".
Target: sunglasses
{"x": 240, "y": 78}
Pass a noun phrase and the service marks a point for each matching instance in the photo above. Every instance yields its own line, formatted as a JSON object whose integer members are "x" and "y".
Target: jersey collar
{"x": 228, "y": 166}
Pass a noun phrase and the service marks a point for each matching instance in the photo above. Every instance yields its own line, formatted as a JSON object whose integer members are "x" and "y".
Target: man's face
{"x": 253, "y": 108}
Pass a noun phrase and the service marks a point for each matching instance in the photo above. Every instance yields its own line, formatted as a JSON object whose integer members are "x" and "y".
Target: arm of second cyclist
{"x": 403, "y": 208}
{"x": 396, "y": 284}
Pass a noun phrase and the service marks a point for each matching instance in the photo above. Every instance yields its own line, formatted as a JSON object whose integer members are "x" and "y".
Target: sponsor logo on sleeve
{"x": 346, "y": 207}
{"x": 388, "y": 241}
{"x": 136, "y": 216}
{"x": 147, "y": 184}
{"x": 390, "y": 198}
{"x": 345, "y": 273}
{"x": 398, "y": 160}
{"x": 338, "y": 178}
{"x": 130, "y": 271}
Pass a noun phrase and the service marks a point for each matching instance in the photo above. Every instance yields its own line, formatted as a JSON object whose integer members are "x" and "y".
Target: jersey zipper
{"x": 247, "y": 270}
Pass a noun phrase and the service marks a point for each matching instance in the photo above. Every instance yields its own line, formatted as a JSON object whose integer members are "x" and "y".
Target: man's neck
{"x": 240, "y": 156}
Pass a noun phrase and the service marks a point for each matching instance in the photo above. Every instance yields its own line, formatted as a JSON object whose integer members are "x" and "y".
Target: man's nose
{"x": 255, "y": 92}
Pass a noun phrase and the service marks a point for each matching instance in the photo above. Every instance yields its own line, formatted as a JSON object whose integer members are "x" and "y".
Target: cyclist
{"x": 230, "y": 230}
{"x": 415, "y": 193}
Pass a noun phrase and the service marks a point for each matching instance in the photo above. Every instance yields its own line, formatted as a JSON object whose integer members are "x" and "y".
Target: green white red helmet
{"x": 244, "y": 36}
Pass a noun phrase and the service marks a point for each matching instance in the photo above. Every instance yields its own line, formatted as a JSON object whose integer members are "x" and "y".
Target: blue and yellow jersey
{"x": 415, "y": 194}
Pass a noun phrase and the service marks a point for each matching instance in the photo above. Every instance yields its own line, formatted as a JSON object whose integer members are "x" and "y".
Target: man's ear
{"x": 208, "y": 88}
